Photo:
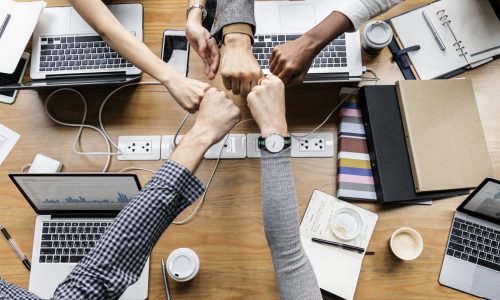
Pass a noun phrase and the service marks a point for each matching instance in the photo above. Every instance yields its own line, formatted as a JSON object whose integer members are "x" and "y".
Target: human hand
{"x": 186, "y": 92}
{"x": 239, "y": 69}
{"x": 202, "y": 43}
{"x": 217, "y": 116}
{"x": 292, "y": 60}
{"x": 267, "y": 104}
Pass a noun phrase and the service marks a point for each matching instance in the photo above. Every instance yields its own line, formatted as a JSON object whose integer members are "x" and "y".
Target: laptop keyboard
{"x": 475, "y": 243}
{"x": 333, "y": 55}
{"x": 64, "y": 53}
{"x": 69, "y": 242}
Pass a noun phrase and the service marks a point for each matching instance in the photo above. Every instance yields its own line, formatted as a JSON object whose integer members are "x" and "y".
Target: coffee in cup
{"x": 406, "y": 243}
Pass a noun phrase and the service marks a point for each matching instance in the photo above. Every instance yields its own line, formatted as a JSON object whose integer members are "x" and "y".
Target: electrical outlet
{"x": 253, "y": 150}
{"x": 139, "y": 147}
{"x": 167, "y": 145}
{"x": 234, "y": 148}
{"x": 315, "y": 145}
{"x": 319, "y": 144}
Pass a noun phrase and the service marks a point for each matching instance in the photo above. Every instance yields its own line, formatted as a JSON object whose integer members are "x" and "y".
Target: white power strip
{"x": 234, "y": 148}
{"x": 320, "y": 144}
{"x": 139, "y": 147}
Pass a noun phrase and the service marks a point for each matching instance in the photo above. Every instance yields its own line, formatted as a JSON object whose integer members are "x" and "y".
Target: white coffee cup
{"x": 406, "y": 243}
{"x": 183, "y": 264}
{"x": 376, "y": 36}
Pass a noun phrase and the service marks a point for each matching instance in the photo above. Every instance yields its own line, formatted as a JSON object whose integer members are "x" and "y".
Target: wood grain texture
{"x": 228, "y": 234}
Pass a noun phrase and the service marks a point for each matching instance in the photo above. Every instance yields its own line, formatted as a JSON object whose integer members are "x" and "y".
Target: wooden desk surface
{"x": 227, "y": 233}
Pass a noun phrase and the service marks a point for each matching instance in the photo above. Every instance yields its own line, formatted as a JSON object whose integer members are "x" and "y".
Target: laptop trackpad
{"x": 78, "y": 25}
{"x": 295, "y": 16}
{"x": 485, "y": 283}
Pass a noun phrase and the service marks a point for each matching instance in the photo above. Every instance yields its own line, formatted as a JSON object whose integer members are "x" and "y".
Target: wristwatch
{"x": 197, "y": 5}
{"x": 274, "y": 143}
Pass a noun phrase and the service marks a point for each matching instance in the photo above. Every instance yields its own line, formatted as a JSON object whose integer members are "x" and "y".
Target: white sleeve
{"x": 360, "y": 11}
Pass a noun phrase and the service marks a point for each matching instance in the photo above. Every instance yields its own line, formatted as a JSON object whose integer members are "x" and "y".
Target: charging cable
{"x": 202, "y": 200}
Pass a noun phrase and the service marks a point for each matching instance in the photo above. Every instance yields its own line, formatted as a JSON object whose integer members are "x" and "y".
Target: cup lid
{"x": 346, "y": 224}
{"x": 378, "y": 32}
{"x": 183, "y": 263}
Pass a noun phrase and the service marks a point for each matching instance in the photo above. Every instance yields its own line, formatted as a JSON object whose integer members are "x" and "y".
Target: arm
{"x": 119, "y": 257}
{"x": 292, "y": 60}
{"x": 186, "y": 92}
{"x": 294, "y": 273}
{"x": 200, "y": 39}
{"x": 234, "y": 28}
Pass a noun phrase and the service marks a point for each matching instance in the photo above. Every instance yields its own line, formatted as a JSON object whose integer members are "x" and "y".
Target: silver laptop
{"x": 66, "y": 51}
{"x": 74, "y": 211}
{"x": 279, "y": 22}
{"x": 472, "y": 260}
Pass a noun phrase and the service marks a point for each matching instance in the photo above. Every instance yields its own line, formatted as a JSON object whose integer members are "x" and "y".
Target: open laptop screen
{"x": 484, "y": 202}
{"x": 49, "y": 193}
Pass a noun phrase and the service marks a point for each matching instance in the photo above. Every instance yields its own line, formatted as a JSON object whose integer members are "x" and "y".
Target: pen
{"x": 434, "y": 32}
{"x": 165, "y": 280}
{"x": 343, "y": 246}
{"x": 4, "y": 24}
{"x": 14, "y": 246}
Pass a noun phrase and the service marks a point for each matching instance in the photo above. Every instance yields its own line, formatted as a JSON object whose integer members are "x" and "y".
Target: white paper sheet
{"x": 8, "y": 139}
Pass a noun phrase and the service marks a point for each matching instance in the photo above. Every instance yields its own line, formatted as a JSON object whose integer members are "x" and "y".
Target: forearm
{"x": 99, "y": 17}
{"x": 327, "y": 30}
{"x": 119, "y": 257}
{"x": 294, "y": 274}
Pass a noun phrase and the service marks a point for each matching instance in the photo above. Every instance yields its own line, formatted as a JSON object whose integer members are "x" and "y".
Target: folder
{"x": 443, "y": 132}
{"x": 385, "y": 137}
{"x": 17, "y": 23}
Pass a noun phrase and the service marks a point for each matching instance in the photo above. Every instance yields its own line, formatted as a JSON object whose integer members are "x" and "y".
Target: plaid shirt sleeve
{"x": 118, "y": 259}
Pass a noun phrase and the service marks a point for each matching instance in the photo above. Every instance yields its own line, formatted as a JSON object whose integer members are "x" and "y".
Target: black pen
{"x": 343, "y": 246}
{"x": 4, "y": 24}
{"x": 14, "y": 246}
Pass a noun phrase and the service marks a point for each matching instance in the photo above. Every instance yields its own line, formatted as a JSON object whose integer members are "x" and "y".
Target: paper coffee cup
{"x": 376, "y": 36}
{"x": 183, "y": 264}
{"x": 406, "y": 243}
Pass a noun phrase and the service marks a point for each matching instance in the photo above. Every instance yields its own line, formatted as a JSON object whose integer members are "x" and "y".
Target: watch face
{"x": 275, "y": 143}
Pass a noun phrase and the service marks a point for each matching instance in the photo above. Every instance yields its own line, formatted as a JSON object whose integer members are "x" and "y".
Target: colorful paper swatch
{"x": 354, "y": 174}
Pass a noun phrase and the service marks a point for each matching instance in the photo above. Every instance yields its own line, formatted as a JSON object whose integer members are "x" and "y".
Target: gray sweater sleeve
{"x": 231, "y": 12}
{"x": 294, "y": 274}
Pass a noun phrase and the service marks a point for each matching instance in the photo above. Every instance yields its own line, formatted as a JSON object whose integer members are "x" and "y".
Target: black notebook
{"x": 387, "y": 147}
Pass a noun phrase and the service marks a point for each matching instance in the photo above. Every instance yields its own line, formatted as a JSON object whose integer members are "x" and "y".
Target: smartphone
{"x": 175, "y": 50}
{"x": 5, "y": 79}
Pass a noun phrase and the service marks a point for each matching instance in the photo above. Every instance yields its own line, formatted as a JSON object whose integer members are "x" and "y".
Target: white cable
{"x": 186, "y": 117}
{"x": 81, "y": 126}
{"x": 297, "y": 137}
{"x": 106, "y": 100}
{"x": 25, "y": 167}
{"x": 128, "y": 169}
{"x": 198, "y": 206}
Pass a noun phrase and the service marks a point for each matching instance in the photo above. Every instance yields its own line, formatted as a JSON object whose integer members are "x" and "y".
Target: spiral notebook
{"x": 450, "y": 35}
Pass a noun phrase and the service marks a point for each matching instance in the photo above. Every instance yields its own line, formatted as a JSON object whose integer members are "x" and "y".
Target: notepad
{"x": 443, "y": 132}
{"x": 469, "y": 29}
{"x": 337, "y": 270}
